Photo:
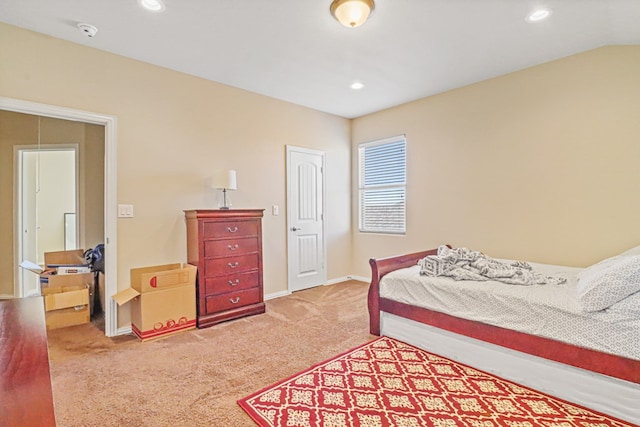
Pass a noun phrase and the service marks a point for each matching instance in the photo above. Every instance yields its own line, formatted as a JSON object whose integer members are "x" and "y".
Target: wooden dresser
{"x": 226, "y": 246}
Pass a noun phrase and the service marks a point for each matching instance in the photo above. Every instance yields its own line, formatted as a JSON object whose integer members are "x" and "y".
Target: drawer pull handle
{"x": 232, "y": 229}
{"x": 232, "y": 283}
{"x": 233, "y": 248}
{"x": 234, "y": 300}
{"x": 234, "y": 265}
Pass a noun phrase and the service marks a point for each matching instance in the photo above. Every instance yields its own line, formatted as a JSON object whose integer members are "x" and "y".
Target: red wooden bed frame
{"x": 592, "y": 360}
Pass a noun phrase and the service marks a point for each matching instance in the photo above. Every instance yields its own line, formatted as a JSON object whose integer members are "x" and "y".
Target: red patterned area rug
{"x": 389, "y": 383}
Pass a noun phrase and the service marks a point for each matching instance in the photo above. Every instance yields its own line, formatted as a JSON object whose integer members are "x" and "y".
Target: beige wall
{"x": 18, "y": 129}
{"x": 173, "y": 131}
{"x": 541, "y": 164}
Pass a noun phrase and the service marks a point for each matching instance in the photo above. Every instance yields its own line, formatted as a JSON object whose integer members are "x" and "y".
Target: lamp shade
{"x": 352, "y": 13}
{"x": 225, "y": 179}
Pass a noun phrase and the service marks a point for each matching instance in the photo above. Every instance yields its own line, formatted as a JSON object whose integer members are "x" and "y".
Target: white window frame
{"x": 368, "y": 225}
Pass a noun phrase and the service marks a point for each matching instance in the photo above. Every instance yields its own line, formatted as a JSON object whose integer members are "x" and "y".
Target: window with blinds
{"x": 383, "y": 172}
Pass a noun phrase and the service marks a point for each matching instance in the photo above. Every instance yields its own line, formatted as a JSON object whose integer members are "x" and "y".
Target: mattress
{"x": 550, "y": 311}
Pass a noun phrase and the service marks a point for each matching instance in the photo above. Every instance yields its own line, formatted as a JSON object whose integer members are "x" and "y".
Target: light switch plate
{"x": 125, "y": 211}
{"x": 275, "y": 210}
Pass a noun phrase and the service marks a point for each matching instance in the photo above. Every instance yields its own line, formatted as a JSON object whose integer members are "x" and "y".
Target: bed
{"x": 600, "y": 374}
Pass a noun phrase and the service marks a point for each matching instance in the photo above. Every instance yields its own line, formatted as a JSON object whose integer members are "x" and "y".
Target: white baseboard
{"x": 327, "y": 283}
{"x": 125, "y": 330}
{"x": 6, "y": 296}
{"x": 360, "y": 278}
{"x": 276, "y": 295}
{"x": 345, "y": 278}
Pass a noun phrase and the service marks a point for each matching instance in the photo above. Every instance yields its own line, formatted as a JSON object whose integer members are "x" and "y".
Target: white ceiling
{"x": 295, "y": 51}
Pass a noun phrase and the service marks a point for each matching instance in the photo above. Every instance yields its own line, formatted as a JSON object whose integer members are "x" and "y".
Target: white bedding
{"x": 551, "y": 311}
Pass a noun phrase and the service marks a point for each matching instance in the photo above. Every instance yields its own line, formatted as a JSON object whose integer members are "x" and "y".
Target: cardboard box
{"x": 62, "y": 263}
{"x": 66, "y": 290}
{"x": 64, "y": 258}
{"x": 61, "y": 283}
{"x": 67, "y": 317}
{"x": 66, "y": 285}
{"x": 71, "y": 296}
{"x": 66, "y": 305}
{"x": 57, "y": 282}
{"x": 163, "y": 300}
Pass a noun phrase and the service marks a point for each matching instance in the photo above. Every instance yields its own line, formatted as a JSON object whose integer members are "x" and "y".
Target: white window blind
{"x": 383, "y": 171}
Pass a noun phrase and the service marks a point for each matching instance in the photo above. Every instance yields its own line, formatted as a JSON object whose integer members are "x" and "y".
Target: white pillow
{"x": 607, "y": 261}
{"x": 608, "y": 282}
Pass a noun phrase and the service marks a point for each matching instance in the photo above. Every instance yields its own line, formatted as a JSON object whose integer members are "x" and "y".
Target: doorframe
{"x": 110, "y": 188}
{"x": 18, "y": 151}
{"x": 289, "y": 150}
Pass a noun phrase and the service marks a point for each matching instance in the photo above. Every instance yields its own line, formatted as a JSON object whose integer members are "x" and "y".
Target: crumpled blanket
{"x": 465, "y": 264}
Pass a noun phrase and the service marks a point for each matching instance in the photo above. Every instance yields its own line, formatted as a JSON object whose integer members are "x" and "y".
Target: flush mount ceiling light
{"x": 152, "y": 5}
{"x": 538, "y": 15}
{"x": 357, "y": 85}
{"x": 352, "y": 13}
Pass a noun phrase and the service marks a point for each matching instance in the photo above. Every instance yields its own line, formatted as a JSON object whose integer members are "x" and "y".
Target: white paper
{"x": 31, "y": 266}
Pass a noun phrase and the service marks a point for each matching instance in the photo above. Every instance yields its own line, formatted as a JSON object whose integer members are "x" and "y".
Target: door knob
{"x": 295, "y": 228}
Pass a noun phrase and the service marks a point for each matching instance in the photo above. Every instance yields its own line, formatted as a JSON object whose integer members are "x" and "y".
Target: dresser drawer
{"x": 229, "y": 229}
{"x": 230, "y": 265}
{"x": 230, "y": 247}
{"x": 231, "y": 283}
{"x": 233, "y": 300}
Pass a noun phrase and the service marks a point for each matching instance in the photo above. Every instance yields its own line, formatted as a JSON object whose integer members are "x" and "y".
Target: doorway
{"x": 47, "y": 206}
{"x": 305, "y": 219}
{"x": 109, "y": 132}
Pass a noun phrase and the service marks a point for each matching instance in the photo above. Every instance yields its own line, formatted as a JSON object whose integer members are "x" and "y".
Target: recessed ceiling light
{"x": 538, "y": 15}
{"x": 87, "y": 29}
{"x": 357, "y": 85}
{"x": 152, "y": 5}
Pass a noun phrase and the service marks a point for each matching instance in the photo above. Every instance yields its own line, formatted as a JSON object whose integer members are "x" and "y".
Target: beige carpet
{"x": 196, "y": 377}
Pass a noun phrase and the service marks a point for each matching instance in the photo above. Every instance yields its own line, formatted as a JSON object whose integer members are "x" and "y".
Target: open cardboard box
{"x": 66, "y": 300}
{"x": 65, "y": 284}
{"x": 73, "y": 257}
{"x": 63, "y": 263}
{"x": 60, "y": 262}
{"x": 163, "y": 300}
{"x": 67, "y": 308}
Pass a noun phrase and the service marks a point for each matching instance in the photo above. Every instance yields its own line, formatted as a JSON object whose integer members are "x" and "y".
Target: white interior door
{"x": 305, "y": 218}
{"x": 27, "y": 227}
{"x": 47, "y": 188}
